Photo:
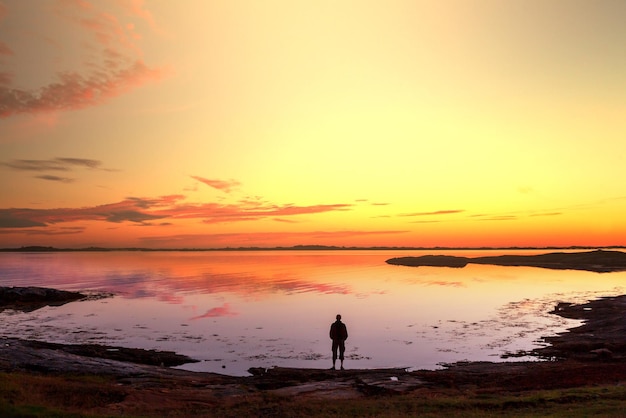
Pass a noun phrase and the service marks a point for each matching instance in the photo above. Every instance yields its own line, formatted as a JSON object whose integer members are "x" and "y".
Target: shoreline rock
{"x": 28, "y": 299}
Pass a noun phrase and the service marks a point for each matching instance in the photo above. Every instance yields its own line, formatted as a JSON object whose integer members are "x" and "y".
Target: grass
{"x": 32, "y": 395}
{"x": 29, "y": 395}
{"x": 607, "y": 401}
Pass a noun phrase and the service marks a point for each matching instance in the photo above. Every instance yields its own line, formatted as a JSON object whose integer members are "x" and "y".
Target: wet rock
{"x": 132, "y": 355}
{"x": 30, "y": 298}
{"x": 602, "y": 334}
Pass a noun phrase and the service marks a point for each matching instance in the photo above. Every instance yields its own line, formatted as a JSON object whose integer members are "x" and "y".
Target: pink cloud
{"x": 223, "y": 310}
{"x": 74, "y": 91}
{"x": 142, "y": 210}
{"x": 223, "y": 185}
{"x": 212, "y": 213}
{"x": 114, "y": 66}
{"x": 137, "y": 8}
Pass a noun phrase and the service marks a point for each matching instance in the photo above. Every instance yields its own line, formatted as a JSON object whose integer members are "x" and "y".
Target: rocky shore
{"x": 31, "y": 298}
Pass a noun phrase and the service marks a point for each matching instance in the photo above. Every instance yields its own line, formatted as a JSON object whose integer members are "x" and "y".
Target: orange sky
{"x": 355, "y": 123}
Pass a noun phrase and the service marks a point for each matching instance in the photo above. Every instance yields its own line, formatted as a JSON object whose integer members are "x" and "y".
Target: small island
{"x": 600, "y": 261}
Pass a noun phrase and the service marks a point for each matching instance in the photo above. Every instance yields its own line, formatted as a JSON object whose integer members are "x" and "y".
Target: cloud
{"x": 55, "y": 164}
{"x": 128, "y": 210}
{"x": 66, "y": 230}
{"x": 61, "y": 164}
{"x": 136, "y": 7}
{"x": 219, "y": 311}
{"x": 112, "y": 66}
{"x": 55, "y": 178}
{"x": 9, "y": 220}
{"x": 438, "y": 212}
{"x": 224, "y": 185}
{"x": 130, "y": 215}
{"x": 142, "y": 210}
{"x": 74, "y": 91}
{"x": 158, "y": 202}
{"x": 289, "y": 221}
{"x": 81, "y": 162}
{"x": 501, "y": 218}
{"x": 215, "y": 213}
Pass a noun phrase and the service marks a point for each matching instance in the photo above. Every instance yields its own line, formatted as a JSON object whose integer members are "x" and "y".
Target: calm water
{"x": 235, "y": 310}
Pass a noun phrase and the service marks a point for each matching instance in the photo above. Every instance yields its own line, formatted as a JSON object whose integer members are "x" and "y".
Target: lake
{"x": 233, "y": 310}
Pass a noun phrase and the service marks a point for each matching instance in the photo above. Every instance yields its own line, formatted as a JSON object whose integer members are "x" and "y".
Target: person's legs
{"x": 342, "y": 349}
{"x": 335, "y": 347}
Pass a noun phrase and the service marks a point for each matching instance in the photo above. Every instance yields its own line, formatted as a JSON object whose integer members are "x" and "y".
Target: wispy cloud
{"x": 224, "y": 185}
{"x": 114, "y": 66}
{"x": 54, "y": 164}
{"x": 500, "y": 218}
{"x": 54, "y": 231}
{"x": 437, "y": 212}
{"x": 10, "y": 218}
{"x": 141, "y": 210}
{"x": 75, "y": 91}
{"x": 55, "y": 178}
{"x": 289, "y": 221}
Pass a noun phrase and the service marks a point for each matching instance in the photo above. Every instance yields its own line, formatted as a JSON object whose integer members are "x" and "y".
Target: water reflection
{"x": 240, "y": 310}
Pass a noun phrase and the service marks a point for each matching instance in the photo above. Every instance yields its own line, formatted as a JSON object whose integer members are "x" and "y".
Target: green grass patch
{"x": 28, "y": 395}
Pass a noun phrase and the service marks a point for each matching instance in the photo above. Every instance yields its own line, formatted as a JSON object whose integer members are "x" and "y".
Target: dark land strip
{"x": 600, "y": 261}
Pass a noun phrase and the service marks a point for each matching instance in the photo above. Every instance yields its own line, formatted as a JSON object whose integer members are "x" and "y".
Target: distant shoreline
{"x": 40, "y": 249}
{"x": 600, "y": 261}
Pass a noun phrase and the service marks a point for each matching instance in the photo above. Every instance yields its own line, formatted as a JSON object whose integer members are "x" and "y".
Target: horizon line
{"x": 314, "y": 247}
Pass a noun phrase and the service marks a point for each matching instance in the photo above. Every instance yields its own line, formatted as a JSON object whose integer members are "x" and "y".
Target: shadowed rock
{"x": 31, "y": 298}
{"x": 602, "y": 335}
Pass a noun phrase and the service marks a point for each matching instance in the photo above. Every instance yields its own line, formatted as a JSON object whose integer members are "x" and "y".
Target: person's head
{"x": 338, "y": 317}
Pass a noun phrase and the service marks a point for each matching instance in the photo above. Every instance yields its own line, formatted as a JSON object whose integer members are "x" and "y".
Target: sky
{"x": 207, "y": 124}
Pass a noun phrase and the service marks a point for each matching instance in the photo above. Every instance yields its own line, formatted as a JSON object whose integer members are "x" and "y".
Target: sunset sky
{"x": 158, "y": 123}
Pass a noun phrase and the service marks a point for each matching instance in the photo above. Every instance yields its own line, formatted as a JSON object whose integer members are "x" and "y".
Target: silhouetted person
{"x": 339, "y": 335}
